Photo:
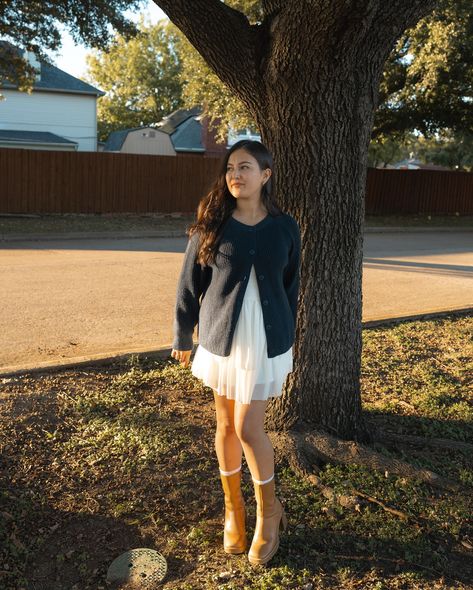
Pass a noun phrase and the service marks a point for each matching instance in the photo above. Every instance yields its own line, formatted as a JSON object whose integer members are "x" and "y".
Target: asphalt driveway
{"x": 71, "y": 300}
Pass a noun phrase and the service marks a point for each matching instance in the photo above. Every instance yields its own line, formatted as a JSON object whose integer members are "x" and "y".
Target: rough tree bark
{"x": 309, "y": 74}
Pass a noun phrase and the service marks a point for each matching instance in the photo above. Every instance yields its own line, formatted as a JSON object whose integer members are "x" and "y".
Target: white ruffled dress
{"x": 247, "y": 374}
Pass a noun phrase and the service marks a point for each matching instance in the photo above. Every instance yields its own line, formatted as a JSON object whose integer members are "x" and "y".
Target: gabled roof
{"x": 53, "y": 79}
{"x": 183, "y": 126}
{"x": 16, "y": 136}
{"x": 116, "y": 139}
{"x": 188, "y": 137}
{"x": 171, "y": 122}
{"x": 185, "y": 129}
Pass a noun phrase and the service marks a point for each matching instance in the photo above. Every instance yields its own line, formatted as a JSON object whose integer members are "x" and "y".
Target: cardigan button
{"x": 265, "y": 302}
{"x": 261, "y": 277}
{"x": 252, "y": 251}
{"x": 268, "y": 326}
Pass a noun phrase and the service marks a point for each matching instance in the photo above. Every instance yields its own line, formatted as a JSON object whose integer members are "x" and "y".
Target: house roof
{"x": 53, "y": 79}
{"x": 116, "y": 139}
{"x": 171, "y": 122}
{"x": 182, "y": 126}
{"x": 17, "y": 136}
{"x": 185, "y": 129}
{"x": 188, "y": 136}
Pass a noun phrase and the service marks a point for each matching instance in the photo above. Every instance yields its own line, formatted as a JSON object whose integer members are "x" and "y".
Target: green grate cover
{"x": 141, "y": 566}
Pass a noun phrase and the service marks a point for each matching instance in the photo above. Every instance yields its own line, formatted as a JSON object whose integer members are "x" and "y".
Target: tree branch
{"x": 411, "y": 11}
{"x": 222, "y": 36}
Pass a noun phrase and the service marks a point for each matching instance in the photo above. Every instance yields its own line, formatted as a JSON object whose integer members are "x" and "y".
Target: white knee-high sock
{"x": 230, "y": 472}
{"x": 263, "y": 482}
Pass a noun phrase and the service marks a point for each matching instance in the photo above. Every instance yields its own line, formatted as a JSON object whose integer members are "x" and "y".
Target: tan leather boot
{"x": 234, "y": 533}
{"x": 270, "y": 516}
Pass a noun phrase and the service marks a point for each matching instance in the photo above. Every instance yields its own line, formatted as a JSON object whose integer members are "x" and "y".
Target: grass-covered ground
{"x": 107, "y": 222}
{"x": 97, "y": 461}
{"x": 68, "y": 223}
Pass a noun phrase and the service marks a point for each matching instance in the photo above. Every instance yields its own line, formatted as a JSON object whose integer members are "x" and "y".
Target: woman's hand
{"x": 182, "y": 355}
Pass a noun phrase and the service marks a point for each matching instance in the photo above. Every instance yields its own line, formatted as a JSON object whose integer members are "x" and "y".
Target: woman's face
{"x": 244, "y": 177}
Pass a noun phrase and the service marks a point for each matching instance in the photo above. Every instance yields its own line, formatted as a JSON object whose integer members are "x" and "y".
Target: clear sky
{"x": 71, "y": 57}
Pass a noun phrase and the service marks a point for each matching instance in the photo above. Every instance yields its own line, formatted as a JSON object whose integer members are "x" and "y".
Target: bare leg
{"x": 227, "y": 444}
{"x": 249, "y": 426}
{"x": 229, "y": 454}
{"x": 259, "y": 453}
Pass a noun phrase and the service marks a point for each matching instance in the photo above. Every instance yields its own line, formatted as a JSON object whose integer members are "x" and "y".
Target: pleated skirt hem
{"x": 247, "y": 374}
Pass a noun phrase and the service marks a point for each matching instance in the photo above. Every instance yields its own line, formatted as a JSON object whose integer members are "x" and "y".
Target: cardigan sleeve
{"x": 291, "y": 272}
{"x": 191, "y": 285}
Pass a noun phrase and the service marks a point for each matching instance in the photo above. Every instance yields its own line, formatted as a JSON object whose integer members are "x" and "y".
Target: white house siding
{"x": 72, "y": 116}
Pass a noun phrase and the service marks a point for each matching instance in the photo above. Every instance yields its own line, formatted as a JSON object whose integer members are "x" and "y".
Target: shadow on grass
{"x": 64, "y": 550}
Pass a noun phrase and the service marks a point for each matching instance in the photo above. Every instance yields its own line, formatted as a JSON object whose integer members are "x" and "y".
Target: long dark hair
{"x": 216, "y": 207}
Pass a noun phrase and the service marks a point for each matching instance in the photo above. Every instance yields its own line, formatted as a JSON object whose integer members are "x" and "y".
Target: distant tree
{"x": 428, "y": 78}
{"x": 140, "y": 77}
{"x": 446, "y": 148}
{"x": 454, "y": 150}
{"x": 387, "y": 149}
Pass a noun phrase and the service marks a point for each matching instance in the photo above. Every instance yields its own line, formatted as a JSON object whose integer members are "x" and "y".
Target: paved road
{"x": 65, "y": 300}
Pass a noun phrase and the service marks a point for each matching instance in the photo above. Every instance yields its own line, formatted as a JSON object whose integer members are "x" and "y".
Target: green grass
{"x": 66, "y": 223}
{"x": 421, "y": 220}
{"x": 97, "y": 461}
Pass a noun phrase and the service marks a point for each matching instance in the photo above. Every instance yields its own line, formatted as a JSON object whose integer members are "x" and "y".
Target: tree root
{"x": 334, "y": 450}
{"x": 421, "y": 441}
{"x": 306, "y": 452}
{"x": 291, "y": 446}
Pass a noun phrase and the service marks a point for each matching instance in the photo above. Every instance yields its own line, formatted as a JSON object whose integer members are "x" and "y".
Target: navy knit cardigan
{"x": 211, "y": 295}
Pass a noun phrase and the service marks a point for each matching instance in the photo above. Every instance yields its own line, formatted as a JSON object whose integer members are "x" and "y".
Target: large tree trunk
{"x": 310, "y": 74}
{"x": 321, "y": 152}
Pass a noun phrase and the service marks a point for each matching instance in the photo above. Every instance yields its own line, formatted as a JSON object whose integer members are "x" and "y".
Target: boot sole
{"x": 234, "y": 551}
{"x": 263, "y": 560}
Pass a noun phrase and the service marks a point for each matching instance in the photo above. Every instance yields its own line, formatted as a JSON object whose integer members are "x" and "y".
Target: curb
{"x": 427, "y": 315}
{"x": 384, "y": 229}
{"x": 127, "y": 235}
{"x": 165, "y": 352}
{"x": 96, "y": 360}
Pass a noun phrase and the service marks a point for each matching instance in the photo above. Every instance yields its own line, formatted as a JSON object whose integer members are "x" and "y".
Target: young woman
{"x": 239, "y": 282}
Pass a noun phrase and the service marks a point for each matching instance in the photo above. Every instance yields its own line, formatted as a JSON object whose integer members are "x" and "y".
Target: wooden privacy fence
{"x": 418, "y": 191}
{"x": 34, "y": 181}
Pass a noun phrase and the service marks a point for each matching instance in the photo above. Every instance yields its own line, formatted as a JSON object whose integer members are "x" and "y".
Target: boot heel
{"x": 283, "y": 521}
